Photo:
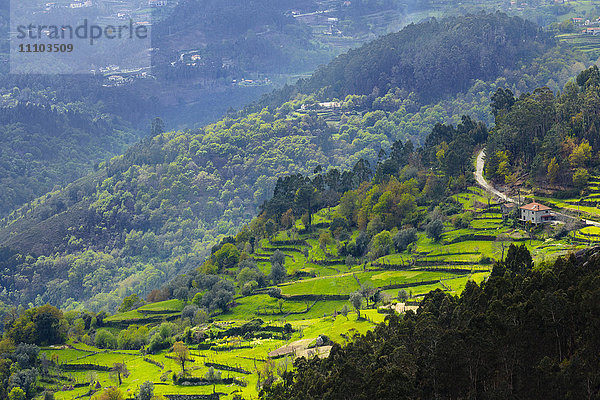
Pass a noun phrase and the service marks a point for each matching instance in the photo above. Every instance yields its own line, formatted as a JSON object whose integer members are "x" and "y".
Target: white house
{"x": 536, "y": 213}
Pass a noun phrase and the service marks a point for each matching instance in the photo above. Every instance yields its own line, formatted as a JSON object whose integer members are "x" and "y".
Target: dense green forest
{"x": 155, "y": 211}
{"x": 553, "y": 138}
{"x": 433, "y": 59}
{"x": 45, "y": 146}
{"x": 517, "y": 50}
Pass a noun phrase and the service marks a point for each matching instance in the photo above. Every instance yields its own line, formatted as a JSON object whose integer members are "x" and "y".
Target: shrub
{"x": 146, "y": 391}
{"x": 201, "y": 316}
{"x": 358, "y": 247}
{"x": 402, "y": 295}
{"x": 381, "y": 244}
{"x": 485, "y": 260}
{"x": 374, "y": 226}
{"x": 41, "y": 325}
{"x": 434, "y": 229}
{"x": 212, "y": 375}
{"x": 48, "y": 395}
{"x": 581, "y": 177}
{"x": 131, "y": 303}
{"x": 404, "y": 238}
{"x": 157, "y": 343}
{"x": 278, "y": 272}
{"x": 16, "y": 394}
{"x": 337, "y": 225}
{"x": 462, "y": 220}
{"x": 227, "y": 256}
{"x": 133, "y": 338}
{"x": 105, "y": 340}
{"x": 111, "y": 394}
{"x": 249, "y": 288}
{"x": 562, "y": 232}
{"x": 157, "y": 295}
{"x": 278, "y": 257}
{"x": 188, "y": 312}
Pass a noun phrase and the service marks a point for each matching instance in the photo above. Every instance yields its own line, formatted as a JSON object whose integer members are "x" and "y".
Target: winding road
{"x": 485, "y": 184}
{"x": 489, "y": 188}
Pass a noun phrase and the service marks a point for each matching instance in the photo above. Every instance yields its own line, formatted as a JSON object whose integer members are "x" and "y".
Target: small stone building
{"x": 506, "y": 209}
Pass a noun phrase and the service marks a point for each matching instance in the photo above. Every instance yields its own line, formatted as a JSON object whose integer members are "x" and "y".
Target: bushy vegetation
{"x": 552, "y": 137}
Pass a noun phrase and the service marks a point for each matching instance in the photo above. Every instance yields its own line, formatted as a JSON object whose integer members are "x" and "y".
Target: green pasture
{"x": 349, "y": 282}
{"x": 163, "y": 306}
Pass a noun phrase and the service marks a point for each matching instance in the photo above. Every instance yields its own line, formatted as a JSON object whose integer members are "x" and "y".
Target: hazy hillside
{"x": 435, "y": 58}
{"x": 45, "y": 146}
{"x": 236, "y": 40}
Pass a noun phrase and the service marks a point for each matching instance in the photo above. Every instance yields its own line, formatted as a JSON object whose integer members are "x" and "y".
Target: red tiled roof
{"x": 535, "y": 207}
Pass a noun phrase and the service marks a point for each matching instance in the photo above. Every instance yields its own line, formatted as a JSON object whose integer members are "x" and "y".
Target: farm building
{"x": 536, "y": 213}
{"x": 507, "y": 208}
{"x": 592, "y": 31}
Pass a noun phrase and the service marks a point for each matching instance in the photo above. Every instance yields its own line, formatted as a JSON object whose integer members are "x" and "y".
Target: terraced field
{"x": 589, "y": 44}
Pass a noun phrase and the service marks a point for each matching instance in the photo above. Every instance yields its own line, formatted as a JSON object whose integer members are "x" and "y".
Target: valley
{"x": 418, "y": 218}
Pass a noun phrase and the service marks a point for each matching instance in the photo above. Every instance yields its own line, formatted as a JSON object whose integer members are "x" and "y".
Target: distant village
{"x": 589, "y": 27}
{"x": 116, "y": 11}
{"x": 114, "y": 5}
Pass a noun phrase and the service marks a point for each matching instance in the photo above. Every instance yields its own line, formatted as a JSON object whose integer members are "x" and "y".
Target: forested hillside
{"x": 236, "y": 41}
{"x": 375, "y": 240}
{"x": 553, "y": 138}
{"x": 433, "y": 59}
{"x": 155, "y": 211}
{"x": 42, "y": 146}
